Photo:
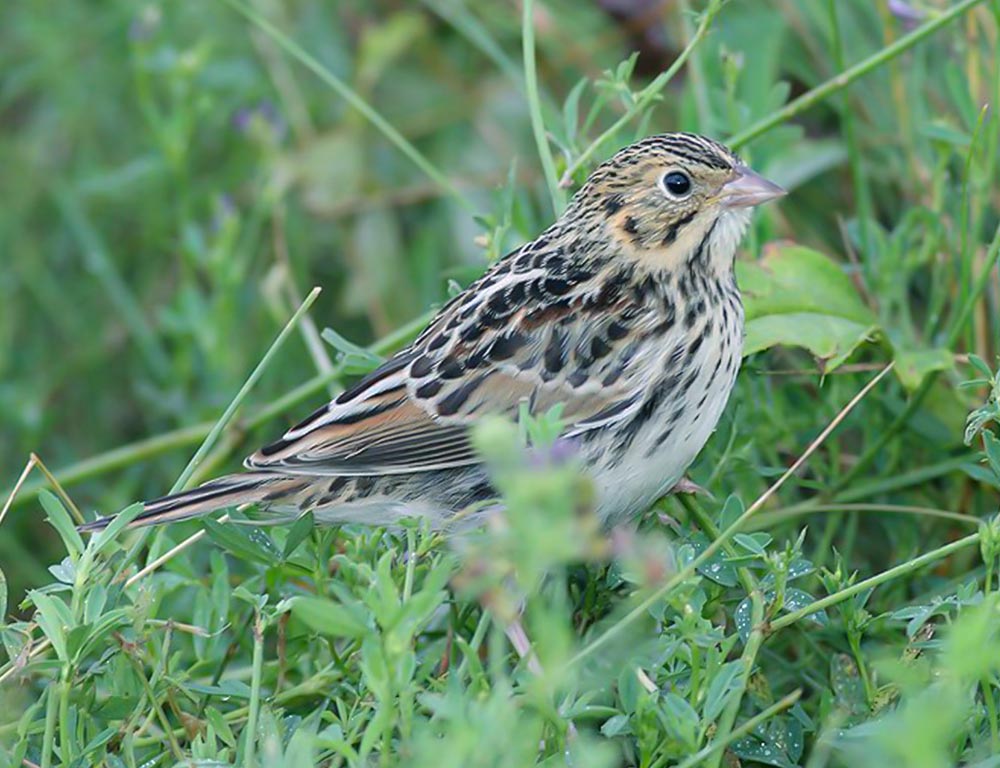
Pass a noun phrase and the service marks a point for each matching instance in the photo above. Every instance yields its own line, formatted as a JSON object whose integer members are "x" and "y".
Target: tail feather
{"x": 228, "y": 491}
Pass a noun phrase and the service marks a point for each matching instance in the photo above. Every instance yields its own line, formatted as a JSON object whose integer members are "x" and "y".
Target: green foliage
{"x": 798, "y": 297}
{"x": 176, "y": 177}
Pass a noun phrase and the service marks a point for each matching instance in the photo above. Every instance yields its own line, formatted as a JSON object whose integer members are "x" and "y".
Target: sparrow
{"x": 625, "y": 312}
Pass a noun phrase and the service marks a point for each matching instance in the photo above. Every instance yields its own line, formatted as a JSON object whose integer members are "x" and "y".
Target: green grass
{"x": 176, "y": 179}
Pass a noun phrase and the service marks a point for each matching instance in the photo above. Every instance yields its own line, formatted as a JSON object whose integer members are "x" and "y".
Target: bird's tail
{"x": 228, "y": 491}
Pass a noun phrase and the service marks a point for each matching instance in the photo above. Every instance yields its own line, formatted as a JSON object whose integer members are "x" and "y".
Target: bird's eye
{"x": 676, "y": 183}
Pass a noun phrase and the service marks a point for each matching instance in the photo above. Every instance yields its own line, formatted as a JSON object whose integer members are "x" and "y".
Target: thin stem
{"x": 743, "y": 730}
{"x": 252, "y": 379}
{"x": 849, "y": 75}
{"x": 748, "y": 659}
{"x": 900, "y": 570}
{"x": 352, "y": 97}
{"x": 175, "y": 746}
{"x": 875, "y": 448}
{"x": 854, "y": 154}
{"x": 699, "y": 88}
{"x": 478, "y": 635}
{"x": 49, "y": 735}
{"x": 249, "y": 752}
{"x": 29, "y": 465}
{"x": 768, "y": 519}
{"x": 535, "y": 106}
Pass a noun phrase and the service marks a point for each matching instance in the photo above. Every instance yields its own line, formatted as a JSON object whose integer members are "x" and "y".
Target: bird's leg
{"x": 687, "y": 485}
{"x": 519, "y": 639}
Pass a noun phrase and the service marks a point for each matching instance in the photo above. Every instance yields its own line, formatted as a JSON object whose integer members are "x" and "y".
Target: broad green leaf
{"x": 617, "y": 725}
{"x": 680, "y": 718}
{"x": 251, "y": 546}
{"x": 798, "y": 297}
{"x": 913, "y": 365}
{"x": 330, "y": 618}
{"x": 778, "y": 742}
{"x": 797, "y": 598}
{"x": 716, "y": 567}
{"x": 743, "y": 618}
{"x": 298, "y": 533}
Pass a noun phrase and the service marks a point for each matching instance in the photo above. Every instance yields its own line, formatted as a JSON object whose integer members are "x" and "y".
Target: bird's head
{"x": 670, "y": 198}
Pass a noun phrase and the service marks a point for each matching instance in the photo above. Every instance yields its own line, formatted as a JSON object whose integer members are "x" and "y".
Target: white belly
{"x": 663, "y": 449}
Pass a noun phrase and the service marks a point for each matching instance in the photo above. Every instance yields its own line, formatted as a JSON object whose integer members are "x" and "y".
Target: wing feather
{"x": 522, "y": 333}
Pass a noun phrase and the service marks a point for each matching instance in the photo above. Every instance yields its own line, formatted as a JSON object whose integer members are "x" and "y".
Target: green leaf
{"x": 61, "y": 521}
{"x": 723, "y": 685}
{"x": 226, "y": 689}
{"x": 298, "y": 533}
{"x": 913, "y": 365}
{"x": 992, "y": 446}
{"x": 243, "y": 545}
{"x": 104, "y": 539}
{"x": 798, "y": 297}
{"x": 743, "y": 618}
{"x": 680, "y": 718}
{"x": 980, "y": 365}
{"x": 54, "y": 617}
{"x": 571, "y": 109}
{"x": 222, "y": 729}
{"x": 329, "y": 618}
{"x": 731, "y": 511}
{"x": 750, "y": 543}
{"x": 617, "y": 725}
{"x": 716, "y": 567}
{"x": 798, "y": 598}
{"x": 348, "y": 349}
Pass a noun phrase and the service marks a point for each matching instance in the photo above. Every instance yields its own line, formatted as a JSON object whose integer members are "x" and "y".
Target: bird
{"x": 625, "y": 312}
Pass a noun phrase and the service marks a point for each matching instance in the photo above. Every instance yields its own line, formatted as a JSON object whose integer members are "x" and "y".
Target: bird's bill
{"x": 748, "y": 188}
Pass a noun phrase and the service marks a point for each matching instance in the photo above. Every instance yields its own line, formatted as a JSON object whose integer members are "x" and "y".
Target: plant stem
{"x": 743, "y": 730}
{"x": 51, "y": 714}
{"x": 535, "y": 107}
{"x": 849, "y": 75}
{"x": 353, "y": 98}
{"x": 252, "y": 379}
{"x": 748, "y": 659}
{"x": 253, "y": 713}
{"x": 875, "y": 448}
{"x": 874, "y": 581}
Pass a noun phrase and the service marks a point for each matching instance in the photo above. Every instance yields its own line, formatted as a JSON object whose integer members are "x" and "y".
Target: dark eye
{"x": 676, "y": 183}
